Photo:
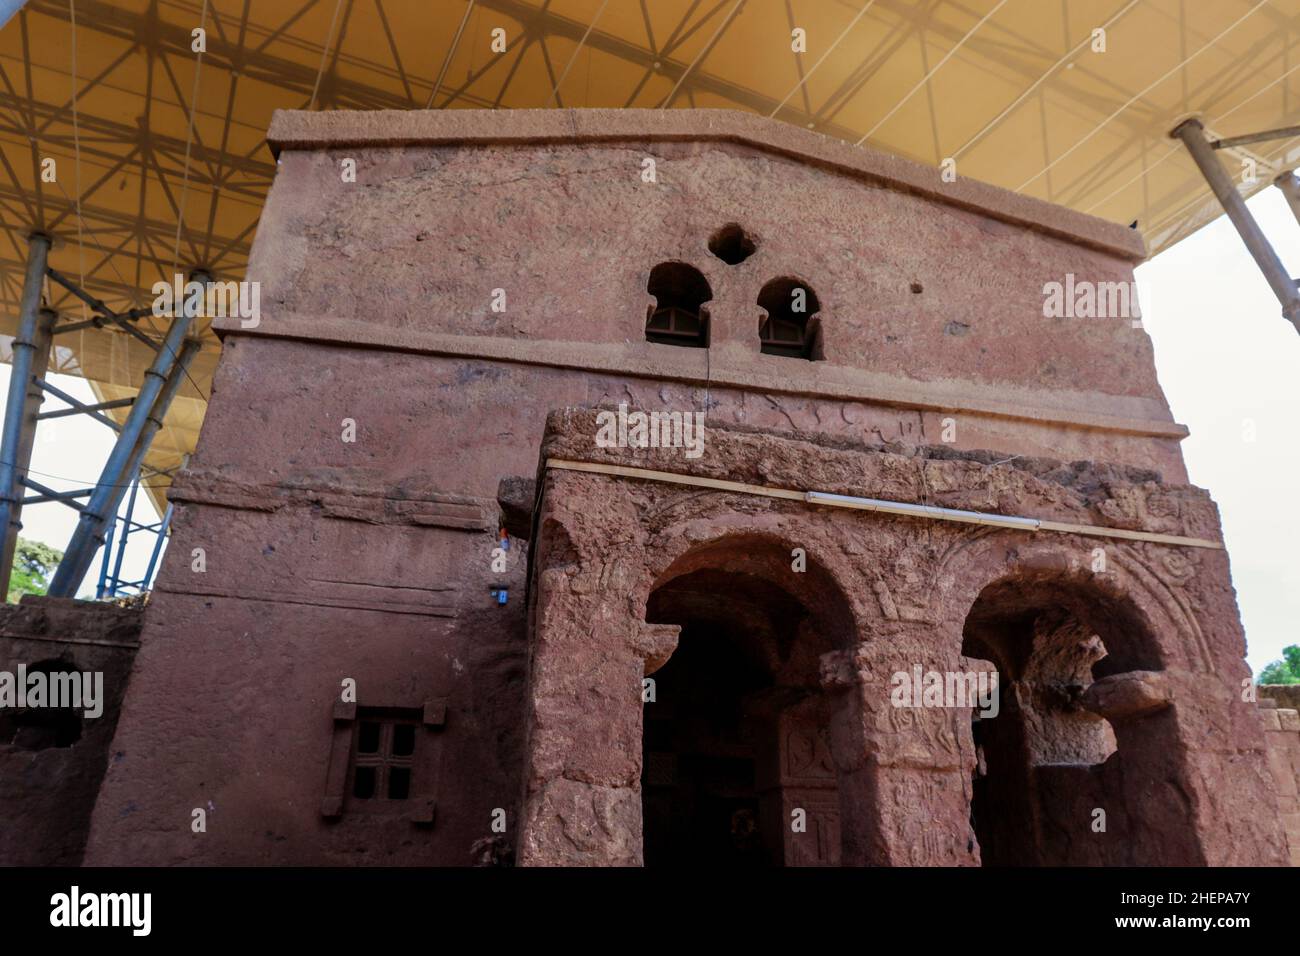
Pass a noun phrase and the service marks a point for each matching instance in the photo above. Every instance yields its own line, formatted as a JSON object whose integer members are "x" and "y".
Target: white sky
{"x": 1227, "y": 360}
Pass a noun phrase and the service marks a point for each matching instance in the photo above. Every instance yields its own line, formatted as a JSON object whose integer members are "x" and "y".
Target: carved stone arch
{"x": 904, "y": 772}
{"x": 768, "y": 553}
{"x": 983, "y": 557}
{"x": 1168, "y": 592}
{"x": 1126, "y": 803}
{"x": 747, "y": 666}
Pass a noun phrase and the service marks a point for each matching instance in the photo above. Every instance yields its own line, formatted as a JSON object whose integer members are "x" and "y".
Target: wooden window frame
{"x": 420, "y": 805}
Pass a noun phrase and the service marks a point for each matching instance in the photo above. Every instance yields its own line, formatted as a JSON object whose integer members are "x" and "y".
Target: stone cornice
{"x": 697, "y": 367}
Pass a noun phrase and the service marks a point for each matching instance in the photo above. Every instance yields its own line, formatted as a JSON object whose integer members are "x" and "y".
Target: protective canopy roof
{"x": 160, "y": 161}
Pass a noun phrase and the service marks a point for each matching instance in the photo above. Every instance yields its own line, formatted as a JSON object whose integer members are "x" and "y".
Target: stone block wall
{"x": 48, "y": 780}
{"x": 1282, "y": 738}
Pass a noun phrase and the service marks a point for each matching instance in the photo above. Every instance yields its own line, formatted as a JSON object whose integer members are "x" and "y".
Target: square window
{"x": 383, "y": 756}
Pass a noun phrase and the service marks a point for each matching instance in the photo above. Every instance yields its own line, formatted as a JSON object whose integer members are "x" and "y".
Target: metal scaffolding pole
{"x": 110, "y": 584}
{"x": 164, "y": 526}
{"x": 107, "y": 584}
{"x": 1290, "y": 188}
{"x": 31, "y": 354}
{"x": 109, "y": 532}
{"x": 154, "y": 421}
{"x": 1192, "y": 133}
{"x": 132, "y": 443}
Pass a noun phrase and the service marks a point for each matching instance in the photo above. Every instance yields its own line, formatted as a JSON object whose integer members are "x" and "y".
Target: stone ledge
{"x": 836, "y": 383}
{"x": 1083, "y": 493}
{"x": 300, "y": 130}
{"x": 350, "y": 502}
{"x": 71, "y": 621}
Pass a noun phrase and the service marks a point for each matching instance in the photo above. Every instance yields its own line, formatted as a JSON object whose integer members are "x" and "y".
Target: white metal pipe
{"x": 880, "y": 505}
{"x": 921, "y": 511}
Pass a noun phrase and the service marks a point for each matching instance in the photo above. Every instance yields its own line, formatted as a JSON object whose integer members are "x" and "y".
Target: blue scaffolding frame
{"x": 99, "y": 516}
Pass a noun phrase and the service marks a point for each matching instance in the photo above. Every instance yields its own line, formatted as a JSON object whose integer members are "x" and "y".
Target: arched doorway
{"x": 1061, "y": 778}
{"x": 737, "y": 767}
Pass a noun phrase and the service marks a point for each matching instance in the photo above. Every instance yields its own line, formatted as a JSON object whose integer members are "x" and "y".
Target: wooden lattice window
{"x": 383, "y": 757}
{"x": 789, "y": 327}
{"x": 678, "y": 316}
{"x": 382, "y": 760}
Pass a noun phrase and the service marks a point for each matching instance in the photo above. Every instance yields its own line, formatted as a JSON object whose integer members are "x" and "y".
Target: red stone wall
{"x": 48, "y": 789}
{"x": 1282, "y": 737}
{"x": 300, "y": 560}
{"x": 1188, "y": 783}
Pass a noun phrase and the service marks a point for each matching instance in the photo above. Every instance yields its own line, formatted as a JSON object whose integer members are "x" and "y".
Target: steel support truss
{"x": 98, "y": 506}
{"x": 1202, "y": 149}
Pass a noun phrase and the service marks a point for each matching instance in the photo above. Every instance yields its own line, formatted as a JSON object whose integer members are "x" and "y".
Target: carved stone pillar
{"x": 806, "y": 788}
{"x": 582, "y": 789}
{"x": 904, "y": 771}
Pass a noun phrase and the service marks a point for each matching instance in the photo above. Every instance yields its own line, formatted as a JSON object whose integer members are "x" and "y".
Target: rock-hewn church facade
{"x": 414, "y": 612}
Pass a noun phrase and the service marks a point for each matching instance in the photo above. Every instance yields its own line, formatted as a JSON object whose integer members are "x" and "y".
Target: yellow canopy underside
{"x": 1018, "y": 92}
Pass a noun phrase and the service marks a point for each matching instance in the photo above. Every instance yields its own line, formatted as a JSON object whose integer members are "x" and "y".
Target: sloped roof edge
{"x": 302, "y": 130}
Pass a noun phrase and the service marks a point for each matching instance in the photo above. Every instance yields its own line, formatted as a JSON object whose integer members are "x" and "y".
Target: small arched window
{"x": 789, "y": 326}
{"x": 678, "y": 316}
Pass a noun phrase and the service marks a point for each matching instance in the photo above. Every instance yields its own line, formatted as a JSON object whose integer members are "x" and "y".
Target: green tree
{"x": 33, "y": 564}
{"x": 1285, "y": 671}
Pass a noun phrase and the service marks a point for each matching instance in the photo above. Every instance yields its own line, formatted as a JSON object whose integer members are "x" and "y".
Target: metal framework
{"x": 111, "y": 583}
{"x": 162, "y": 159}
{"x": 37, "y": 329}
{"x": 1202, "y": 149}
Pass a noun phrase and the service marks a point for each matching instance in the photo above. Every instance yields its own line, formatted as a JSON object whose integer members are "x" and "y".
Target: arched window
{"x": 745, "y": 666}
{"x": 789, "y": 325}
{"x": 1054, "y": 748}
{"x": 678, "y": 316}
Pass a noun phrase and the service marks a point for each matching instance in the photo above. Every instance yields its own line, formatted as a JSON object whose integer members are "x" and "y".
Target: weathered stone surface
{"x": 1103, "y": 645}
{"x": 516, "y": 495}
{"x": 1280, "y": 695}
{"x": 1127, "y": 695}
{"x": 48, "y": 784}
{"x": 1282, "y": 741}
{"x": 372, "y": 560}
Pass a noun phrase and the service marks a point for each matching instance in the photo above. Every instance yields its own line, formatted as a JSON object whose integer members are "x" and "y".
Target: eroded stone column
{"x": 905, "y": 772}
{"x": 590, "y": 652}
{"x": 1189, "y": 760}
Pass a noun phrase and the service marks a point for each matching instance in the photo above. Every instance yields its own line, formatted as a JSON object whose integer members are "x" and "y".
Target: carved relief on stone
{"x": 1164, "y": 573}
{"x": 806, "y": 755}
{"x": 918, "y": 737}
{"x": 923, "y": 838}
{"x": 1141, "y": 508}
{"x": 1173, "y": 566}
{"x": 818, "y": 844}
{"x": 885, "y": 599}
{"x": 809, "y": 790}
